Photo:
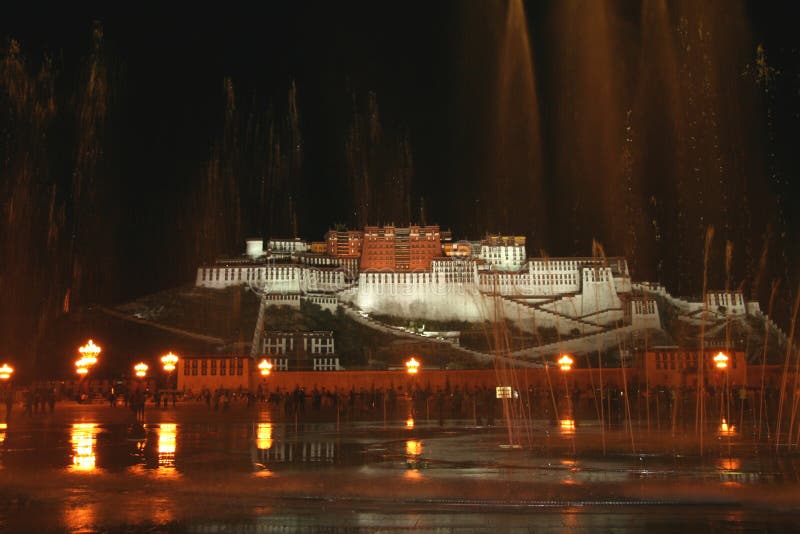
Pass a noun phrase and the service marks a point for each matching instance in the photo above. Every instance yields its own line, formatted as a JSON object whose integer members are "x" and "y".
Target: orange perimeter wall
{"x": 520, "y": 378}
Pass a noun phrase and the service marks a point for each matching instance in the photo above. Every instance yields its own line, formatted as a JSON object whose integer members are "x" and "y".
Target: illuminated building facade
{"x": 678, "y": 367}
{"x": 390, "y": 248}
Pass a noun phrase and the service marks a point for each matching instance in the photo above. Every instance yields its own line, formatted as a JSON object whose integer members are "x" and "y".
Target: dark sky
{"x": 636, "y": 127}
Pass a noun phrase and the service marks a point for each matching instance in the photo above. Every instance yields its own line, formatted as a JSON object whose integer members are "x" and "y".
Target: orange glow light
{"x": 6, "y": 371}
{"x": 265, "y": 368}
{"x": 169, "y": 360}
{"x": 721, "y": 360}
{"x": 567, "y": 427}
{"x": 264, "y": 436}
{"x": 412, "y": 366}
{"x": 140, "y": 369}
{"x": 89, "y": 353}
{"x": 725, "y": 429}
{"x": 565, "y": 362}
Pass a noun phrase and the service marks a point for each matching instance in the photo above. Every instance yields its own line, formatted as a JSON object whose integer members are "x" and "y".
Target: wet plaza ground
{"x": 90, "y": 468}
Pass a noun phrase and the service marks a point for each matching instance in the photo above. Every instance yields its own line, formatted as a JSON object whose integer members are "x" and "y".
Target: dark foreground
{"x": 89, "y": 468}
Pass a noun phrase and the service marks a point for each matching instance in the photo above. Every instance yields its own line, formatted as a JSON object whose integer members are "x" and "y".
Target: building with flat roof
{"x": 344, "y": 243}
{"x": 213, "y": 371}
{"x": 298, "y": 350}
{"x": 679, "y": 367}
{"x": 390, "y": 248}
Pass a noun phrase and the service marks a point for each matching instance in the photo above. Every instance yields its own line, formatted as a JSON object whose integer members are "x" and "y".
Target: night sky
{"x": 156, "y": 141}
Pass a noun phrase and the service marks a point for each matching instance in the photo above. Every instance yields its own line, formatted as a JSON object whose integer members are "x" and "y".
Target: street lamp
{"x": 412, "y": 366}
{"x": 5, "y": 375}
{"x": 565, "y": 364}
{"x": 169, "y": 361}
{"x": 140, "y": 369}
{"x": 721, "y": 363}
{"x": 88, "y": 359}
{"x": 89, "y": 353}
{"x": 5, "y": 372}
{"x": 264, "y": 367}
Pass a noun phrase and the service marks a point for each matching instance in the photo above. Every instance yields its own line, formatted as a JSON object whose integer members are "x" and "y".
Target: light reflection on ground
{"x": 83, "y": 442}
{"x": 178, "y": 469}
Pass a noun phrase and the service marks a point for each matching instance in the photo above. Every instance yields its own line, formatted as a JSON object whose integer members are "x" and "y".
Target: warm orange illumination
{"x": 410, "y": 422}
{"x": 729, "y": 464}
{"x": 167, "y": 433}
{"x": 264, "y": 436}
{"x": 725, "y": 429}
{"x": 265, "y": 368}
{"x": 565, "y": 362}
{"x": 140, "y": 369}
{"x": 167, "y": 438}
{"x": 169, "y": 360}
{"x": 413, "y": 447}
{"x": 412, "y": 366}
{"x": 89, "y": 353}
{"x": 6, "y": 371}
{"x": 567, "y": 427}
{"x": 88, "y": 357}
{"x": 721, "y": 360}
{"x": 83, "y": 440}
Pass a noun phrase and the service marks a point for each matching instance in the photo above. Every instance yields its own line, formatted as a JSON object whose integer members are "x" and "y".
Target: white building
{"x": 726, "y": 302}
{"x": 288, "y": 246}
{"x": 504, "y": 253}
{"x": 583, "y": 295}
{"x": 296, "y": 350}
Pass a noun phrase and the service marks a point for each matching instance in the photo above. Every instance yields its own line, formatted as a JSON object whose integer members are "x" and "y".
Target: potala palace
{"x": 420, "y": 273}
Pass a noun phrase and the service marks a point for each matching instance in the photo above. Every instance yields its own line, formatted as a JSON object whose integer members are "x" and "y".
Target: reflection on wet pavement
{"x": 166, "y": 468}
{"x": 567, "y": 427}
{"x": 264, "y": 436}
{"x": 84, "y": 436}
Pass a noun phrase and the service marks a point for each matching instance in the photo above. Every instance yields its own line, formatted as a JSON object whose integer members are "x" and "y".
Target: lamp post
{"x": 412, "y": 368}
{"x": 138, "y": 395}
{"x": 5, "y": 375}
{"x": 565, "y": 364}
{"x": 88, "y": 359}
{"x": 721, "y": 363}
{"x": 169, "y": 361}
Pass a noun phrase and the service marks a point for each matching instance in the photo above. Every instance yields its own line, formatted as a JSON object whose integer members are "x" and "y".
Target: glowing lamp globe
{"x": 89, "y": 353}
{"x": 721, "y": 361}
{"x": 169, "y": 360}
{"x": 412, "y": 366}
{"x": 6, "y": 371}
{"x": 140, "y": 369}
{"x": 264, "y": 367}
{"x": 565, "y": 362}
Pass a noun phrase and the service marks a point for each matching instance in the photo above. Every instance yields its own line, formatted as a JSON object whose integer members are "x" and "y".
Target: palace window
{"x": 203, "y": 367}
{"x": 222, "y": 365}
{"x": 213, "y": 367}
{"x": 194, "y": 367}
